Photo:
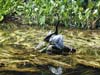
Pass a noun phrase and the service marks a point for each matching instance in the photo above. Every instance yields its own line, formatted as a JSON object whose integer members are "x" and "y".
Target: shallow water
{"x": 79, "y": 70}
{"x": 19, "y": 57}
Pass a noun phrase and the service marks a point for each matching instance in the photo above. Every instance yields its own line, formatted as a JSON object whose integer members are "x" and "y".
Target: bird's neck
{"x": 56, "y": 30}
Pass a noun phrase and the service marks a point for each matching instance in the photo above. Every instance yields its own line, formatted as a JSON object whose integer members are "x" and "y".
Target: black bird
{"x": 58, "y": 46}
{"x": 46, "y": 39}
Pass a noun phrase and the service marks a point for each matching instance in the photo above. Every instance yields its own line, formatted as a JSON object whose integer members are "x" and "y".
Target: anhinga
{"x": 56, "y": 40}
{"x": 47, "y": 38}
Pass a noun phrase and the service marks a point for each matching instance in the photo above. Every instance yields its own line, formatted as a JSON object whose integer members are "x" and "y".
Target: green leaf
{"x": 42, "y": 20}
{"x": 1, "y": 17}
{"x": 98, "y": 4}
{"x": 90, "y": 4}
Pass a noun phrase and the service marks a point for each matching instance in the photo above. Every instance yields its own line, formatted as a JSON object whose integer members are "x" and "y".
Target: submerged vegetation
{"x": 25, "y": 23}
{"x": 18, "y": 54}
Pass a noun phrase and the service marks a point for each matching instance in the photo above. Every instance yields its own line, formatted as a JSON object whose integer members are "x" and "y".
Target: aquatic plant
{"x": 6, "y": 7}
{"x": 72, "y": 13}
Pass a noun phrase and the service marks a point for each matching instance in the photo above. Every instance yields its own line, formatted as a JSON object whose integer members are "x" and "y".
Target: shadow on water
{"x": 78, "y": 70}
{"x": 82, "y": 70}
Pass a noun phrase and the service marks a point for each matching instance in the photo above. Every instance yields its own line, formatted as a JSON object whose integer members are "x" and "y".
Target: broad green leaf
{"x": 1, "y": 17}
{"x": 42, "y": 20}
{"x": 90, "y": 4}
{"x": 98, "y": 4}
